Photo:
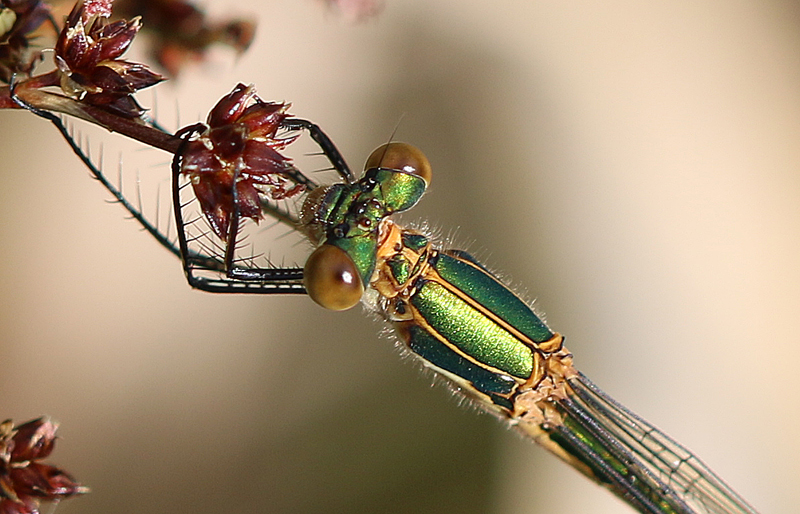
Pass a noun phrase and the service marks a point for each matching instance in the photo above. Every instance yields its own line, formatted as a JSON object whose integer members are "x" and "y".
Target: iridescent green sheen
{"x": 599, "y": 449}
{"x": 352, "y": 212}
{"x": 427, "y": 346}
{"x": 471, "y": 331}
{"x": 361, "y": 248}
{"x": 461, "y": 270}
{"x": 400, "y": 268}
{"x": 414, "y": 241}
{"x": 400, "y": 190}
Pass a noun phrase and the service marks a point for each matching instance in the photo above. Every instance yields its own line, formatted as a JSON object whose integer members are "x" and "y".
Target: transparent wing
{"x": 678, "y": 473}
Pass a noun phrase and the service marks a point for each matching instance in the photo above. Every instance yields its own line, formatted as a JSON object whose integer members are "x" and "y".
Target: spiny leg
{"x": 325, "y": 144}
{"x": 136, "y": 213}
{"x": 238, "y": 279}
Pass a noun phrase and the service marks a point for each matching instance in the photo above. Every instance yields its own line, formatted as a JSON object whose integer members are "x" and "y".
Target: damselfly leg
{"x": 216, "y": 261}
{"x": 82, "y": 151}
{"x": 230, "y": 167}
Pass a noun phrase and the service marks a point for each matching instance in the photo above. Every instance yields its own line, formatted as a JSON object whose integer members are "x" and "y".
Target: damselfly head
{"x": 330, "y": 275}
{"x": 348, "y": 219}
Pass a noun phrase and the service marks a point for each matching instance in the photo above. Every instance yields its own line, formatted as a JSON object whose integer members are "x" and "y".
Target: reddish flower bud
{"x": 18, "y": 20}
{"x": 239, "y": 148}
{"x": 43, "y": 481}
{"x": 87, "y": 54}
{"x": 22, "y": 506}
{"x": 23, "y": 480}
{"x": 33, "y": 440}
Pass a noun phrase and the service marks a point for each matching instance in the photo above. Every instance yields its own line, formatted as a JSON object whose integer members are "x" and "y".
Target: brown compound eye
{"x": 331, "y": 278}
{"x": 400, "y": 156}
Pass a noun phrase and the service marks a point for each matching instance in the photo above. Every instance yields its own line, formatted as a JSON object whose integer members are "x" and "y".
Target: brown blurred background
{"x": 635, "y": 167}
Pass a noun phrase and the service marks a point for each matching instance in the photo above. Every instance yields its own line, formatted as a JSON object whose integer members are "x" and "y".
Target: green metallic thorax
{"x": 460, "y": 319}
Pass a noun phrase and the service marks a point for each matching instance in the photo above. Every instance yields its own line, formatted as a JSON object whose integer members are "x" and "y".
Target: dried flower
{"x": 18, "y": 20}
{"x": 182, "y": 33}
{"x": 87, "y": 54}
{"x": 24, "y": 481}
{"x": 239, "y": 148}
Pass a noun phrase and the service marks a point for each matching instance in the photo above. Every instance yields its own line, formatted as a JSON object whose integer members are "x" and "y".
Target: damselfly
{"x": 448, "y": 310}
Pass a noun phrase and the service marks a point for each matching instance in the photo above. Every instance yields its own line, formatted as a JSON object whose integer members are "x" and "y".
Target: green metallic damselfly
{"x": 448, "y": 310}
